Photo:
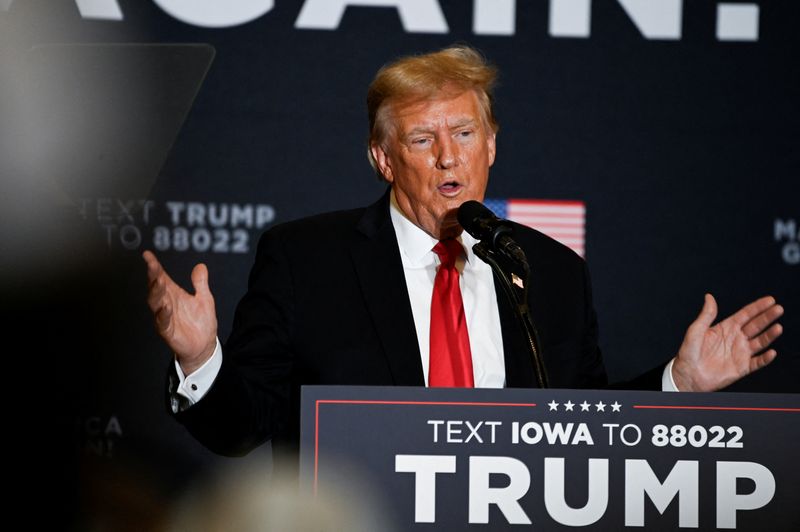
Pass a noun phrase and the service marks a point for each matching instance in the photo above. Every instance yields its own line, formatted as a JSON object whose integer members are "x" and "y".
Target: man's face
{"x": 436, "y": 155}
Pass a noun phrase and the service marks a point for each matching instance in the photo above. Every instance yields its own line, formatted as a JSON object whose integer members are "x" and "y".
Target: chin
{"x": 450, "y": 228}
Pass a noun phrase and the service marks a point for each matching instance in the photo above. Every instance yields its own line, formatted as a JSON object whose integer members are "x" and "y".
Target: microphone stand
{"x": 518, "y": 297}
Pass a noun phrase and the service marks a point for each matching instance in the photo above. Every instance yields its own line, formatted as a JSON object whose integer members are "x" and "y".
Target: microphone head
{"x": 480, "y": 222}
{"x": 472, "y": 216}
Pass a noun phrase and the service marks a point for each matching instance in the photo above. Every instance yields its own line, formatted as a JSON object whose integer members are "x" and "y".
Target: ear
{"x": 383, "y": 161}
{"x": 491, "y": 145}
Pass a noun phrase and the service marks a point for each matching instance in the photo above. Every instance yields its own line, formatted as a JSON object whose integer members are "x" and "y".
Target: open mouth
{"x": 450, "y": 188}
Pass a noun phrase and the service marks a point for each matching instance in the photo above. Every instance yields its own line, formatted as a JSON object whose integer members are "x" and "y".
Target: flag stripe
{"x": 556, "y": 229}
{"x": 551, "y": 220}
{"x": 550, "y": 203}
{"x": 547, "y": 209}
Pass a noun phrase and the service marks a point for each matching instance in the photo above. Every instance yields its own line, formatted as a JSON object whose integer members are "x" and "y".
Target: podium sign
{"x": 456, "y": 459}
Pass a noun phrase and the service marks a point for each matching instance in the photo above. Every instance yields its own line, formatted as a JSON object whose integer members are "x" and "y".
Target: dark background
{"x": 685, "y": 152}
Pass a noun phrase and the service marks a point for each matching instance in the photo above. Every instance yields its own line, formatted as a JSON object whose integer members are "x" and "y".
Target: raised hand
{"x": 186, "y": 322}
{"x": 712, "y": 357}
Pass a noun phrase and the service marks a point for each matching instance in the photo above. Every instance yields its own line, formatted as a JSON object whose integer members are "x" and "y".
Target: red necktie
{"x": 450, "y": 356}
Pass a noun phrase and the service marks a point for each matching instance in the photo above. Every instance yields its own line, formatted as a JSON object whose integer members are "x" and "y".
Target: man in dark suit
{"x": 351, "y": 297}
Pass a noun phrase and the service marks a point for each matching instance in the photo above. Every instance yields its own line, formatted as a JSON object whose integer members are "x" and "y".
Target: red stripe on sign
{"x": 732, "y": 408}
{"x": 423, "y": 403}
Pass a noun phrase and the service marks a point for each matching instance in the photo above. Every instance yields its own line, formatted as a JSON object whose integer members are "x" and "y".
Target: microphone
{"x": 482, "y": 224}
{"x": 495, "y": 235}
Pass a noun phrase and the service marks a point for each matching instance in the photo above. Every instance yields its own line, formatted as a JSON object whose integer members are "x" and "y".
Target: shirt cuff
{"x": 667, "y": 382}
{"x": 195, "y": 385}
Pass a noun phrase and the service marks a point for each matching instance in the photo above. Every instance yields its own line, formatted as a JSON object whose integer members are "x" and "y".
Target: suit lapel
{"x": 376, "y": 258}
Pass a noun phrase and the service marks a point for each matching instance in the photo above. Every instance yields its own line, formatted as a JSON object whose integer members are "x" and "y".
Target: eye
{"x": 466, "y": 133}
{"x": 422, "y": 141}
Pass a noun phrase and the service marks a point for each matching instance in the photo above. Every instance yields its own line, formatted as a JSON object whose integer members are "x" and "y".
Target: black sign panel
{"x": 455, "y": 459}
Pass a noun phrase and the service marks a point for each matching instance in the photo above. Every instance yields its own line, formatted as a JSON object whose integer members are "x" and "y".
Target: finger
{"x": 762, "y": 321}
{"x": 762, "y": 360}
{"x": 159, "y": 281}
{"x": 155, "y": 296}
{"x": 153, "y": 266}
{"x": 159, "y": 295}
{"x": 707, "y": 314}
{"x": 200, "y": 280}
{"x": 763, "y": 340}
{"x": 155, "y": 272}
{"x": 748, "y": 312}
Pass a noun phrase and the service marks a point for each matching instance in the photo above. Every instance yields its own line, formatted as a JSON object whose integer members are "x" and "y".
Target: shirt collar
{"x": 415, "y": 244}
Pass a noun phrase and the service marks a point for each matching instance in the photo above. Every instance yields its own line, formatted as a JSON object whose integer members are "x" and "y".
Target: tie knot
{"x": 448, "y": 250}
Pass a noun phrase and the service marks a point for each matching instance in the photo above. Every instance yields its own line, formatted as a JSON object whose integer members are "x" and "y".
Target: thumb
{"x": 708, "y": 313}
{"x": 200, "y": 280}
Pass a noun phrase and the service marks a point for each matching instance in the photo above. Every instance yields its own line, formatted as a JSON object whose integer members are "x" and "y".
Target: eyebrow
{"x": 429, "y": 129}
{"x": 464, "y": 122}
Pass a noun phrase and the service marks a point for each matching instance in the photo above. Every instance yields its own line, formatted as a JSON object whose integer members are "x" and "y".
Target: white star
{"x": 553, "y": 405}
{"x": 601, "y": 406}
{"x": 568, "y": 406}
{"x": 615, "y": 406}
{"x": 585, "y": 406}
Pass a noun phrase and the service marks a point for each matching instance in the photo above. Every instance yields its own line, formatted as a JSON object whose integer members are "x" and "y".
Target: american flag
{"x": 563, "y": 220}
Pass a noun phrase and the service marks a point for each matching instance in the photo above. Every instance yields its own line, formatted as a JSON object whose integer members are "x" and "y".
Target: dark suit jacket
{"x": 327, "y": 304}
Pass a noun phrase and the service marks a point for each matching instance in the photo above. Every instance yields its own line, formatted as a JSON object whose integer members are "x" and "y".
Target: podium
{"x": 556, "y": 459}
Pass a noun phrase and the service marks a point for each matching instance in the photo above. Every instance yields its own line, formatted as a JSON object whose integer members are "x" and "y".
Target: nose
{"x": 447, "y": 156}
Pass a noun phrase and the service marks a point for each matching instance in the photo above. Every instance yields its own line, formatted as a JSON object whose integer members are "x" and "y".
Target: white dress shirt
{"x": 477, "y": 292}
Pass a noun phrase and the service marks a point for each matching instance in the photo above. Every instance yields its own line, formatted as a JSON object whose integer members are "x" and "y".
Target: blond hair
{"x": 413, "y": 78}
